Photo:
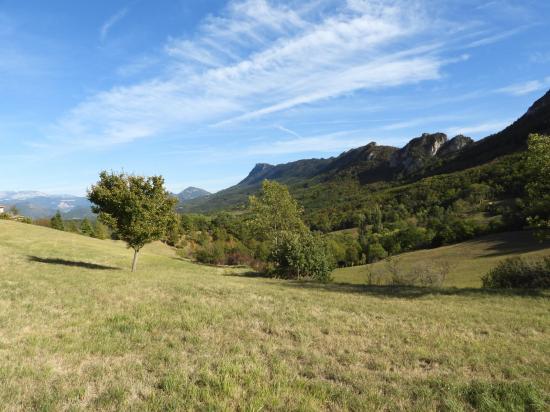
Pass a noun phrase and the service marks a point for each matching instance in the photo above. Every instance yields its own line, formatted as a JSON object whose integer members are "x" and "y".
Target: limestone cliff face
{"x": 414, "y": 155}
{"x": 257, "y": 173}
{"x": 454, "y": 145}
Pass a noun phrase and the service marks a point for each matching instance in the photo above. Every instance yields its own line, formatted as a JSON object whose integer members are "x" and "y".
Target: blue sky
{"x": 200, "y": 91}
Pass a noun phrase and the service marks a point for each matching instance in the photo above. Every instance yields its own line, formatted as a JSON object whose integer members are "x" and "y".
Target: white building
{"x": 2, "y": 209}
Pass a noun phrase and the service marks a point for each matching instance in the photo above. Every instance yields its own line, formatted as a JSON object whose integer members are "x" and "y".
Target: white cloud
{"x": 520, "y": 89}
{"x": 419, "y": 121}
{"x": 476, "y": 129}
{"x": 539, "y": 57}
{"x": 259, "y": 58}
{"x": 110, "y": 22}
{"x": 333, "y": 142}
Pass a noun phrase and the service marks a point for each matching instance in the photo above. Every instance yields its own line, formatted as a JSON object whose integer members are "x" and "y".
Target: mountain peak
{"x": 261, "y": 167}
{"x": 257, "y": 173}
{"x": 415, "y": 153}
{"x": 454, "y": 145}
{"x": 190, "y": 193}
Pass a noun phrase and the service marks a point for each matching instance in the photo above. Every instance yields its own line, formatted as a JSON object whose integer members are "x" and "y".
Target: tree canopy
{"x": 275, "y": 211}
{"x": 294, "y": 250}
{"x": 138, "y": 209}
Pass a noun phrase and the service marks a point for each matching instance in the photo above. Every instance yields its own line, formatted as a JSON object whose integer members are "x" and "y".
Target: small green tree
{"x": 174, "y": 232}
{"x": 376, "y": 214}
{"x": 274, "y": 212}
{"x": 138, "y": 209}
{"x": 302, "y": 255}
{"x": 376, "y": 252}
{"x": 86, "y": 228}
{"x": 56, "y": 222}
{"x": 100, "y": 231}
{"x": 70, "y": 226}
{"x": 294, "y": 250}
{"x": 538, "y": 190}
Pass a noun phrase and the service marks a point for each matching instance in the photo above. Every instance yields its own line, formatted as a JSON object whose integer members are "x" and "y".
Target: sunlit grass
{"x": 469, "y": 261}
{"x": 79, "y": 331}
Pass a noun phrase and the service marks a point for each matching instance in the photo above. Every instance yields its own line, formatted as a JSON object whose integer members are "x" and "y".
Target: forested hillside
{"x": 429, "y": 171}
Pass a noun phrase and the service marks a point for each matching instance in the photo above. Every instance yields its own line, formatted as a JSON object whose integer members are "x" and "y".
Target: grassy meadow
{"x": 78, "y": 331}
{"x": 468, "y": 260}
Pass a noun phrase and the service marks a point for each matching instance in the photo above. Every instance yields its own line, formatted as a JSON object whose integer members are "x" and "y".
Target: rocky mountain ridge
{"x": 426, "y": 155}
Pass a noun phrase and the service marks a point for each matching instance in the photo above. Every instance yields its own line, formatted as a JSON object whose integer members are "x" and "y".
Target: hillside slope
{"x": 78, "y": 331}
{"x": 468, "y": 260}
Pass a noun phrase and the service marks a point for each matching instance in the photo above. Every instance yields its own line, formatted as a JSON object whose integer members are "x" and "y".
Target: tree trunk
{"x": 134, "y": 263}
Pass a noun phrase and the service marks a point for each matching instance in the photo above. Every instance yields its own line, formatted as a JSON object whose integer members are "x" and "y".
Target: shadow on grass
{"x": 513, "y": 243}
{"x": 251, "y": 274}
{"x": 63, "y": 262}
{"x": 410, "y": 292}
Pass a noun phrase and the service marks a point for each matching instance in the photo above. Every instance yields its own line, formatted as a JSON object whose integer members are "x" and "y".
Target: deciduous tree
{"x": 138, "y": 209}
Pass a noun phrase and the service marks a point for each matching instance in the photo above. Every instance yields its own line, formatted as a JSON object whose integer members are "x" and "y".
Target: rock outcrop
{"x": 454, "y": 145}
{"x": 414, "y": 155}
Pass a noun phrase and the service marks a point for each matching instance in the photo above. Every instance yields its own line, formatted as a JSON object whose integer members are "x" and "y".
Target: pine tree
{"x": 56, "y": 222}
{"x": 86, "y": 228}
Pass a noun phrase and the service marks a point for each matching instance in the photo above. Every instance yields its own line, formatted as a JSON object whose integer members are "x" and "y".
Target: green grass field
{"x": 79, "y": 331}
{"x": 468, "y": 261}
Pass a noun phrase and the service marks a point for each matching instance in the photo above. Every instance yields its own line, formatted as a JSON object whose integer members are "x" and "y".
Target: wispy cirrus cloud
{"x": 110, "y": 22}
{"x": 480, "y": 128}
{"x": 520, "y": 89}
{"x": 324, "y": 143}
{"x": 259, "y": 58}
{"x": 419, "y": 121}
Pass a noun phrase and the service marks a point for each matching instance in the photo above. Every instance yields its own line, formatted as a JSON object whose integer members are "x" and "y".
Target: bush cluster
{"x": 428, "y": 274}
{"x": 521, "y": 273}
{"x": 302, "y": 255}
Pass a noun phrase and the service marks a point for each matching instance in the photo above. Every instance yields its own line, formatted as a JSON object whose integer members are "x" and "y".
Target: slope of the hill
{"x": 78, "y": 331}
{"x": 468, "y": 260}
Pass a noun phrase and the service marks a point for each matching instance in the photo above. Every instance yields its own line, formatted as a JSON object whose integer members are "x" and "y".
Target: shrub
{"x": 212, "y": 253}
{"x": 518, "y": 272}
{"x": 431, "y": 274}
{"x": 376, "y": 252}
{"x": 302, "y": 255}
{"x": 428, "y": 274}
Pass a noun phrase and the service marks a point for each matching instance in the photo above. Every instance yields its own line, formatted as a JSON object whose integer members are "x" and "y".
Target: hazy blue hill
{"x": 191, "y": 193}
{"x": 39, "y": 205}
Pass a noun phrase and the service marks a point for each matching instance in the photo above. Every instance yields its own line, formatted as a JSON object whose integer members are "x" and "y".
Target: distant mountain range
{"x": 426, "y": 155}
{"x": 41, "y": 205}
